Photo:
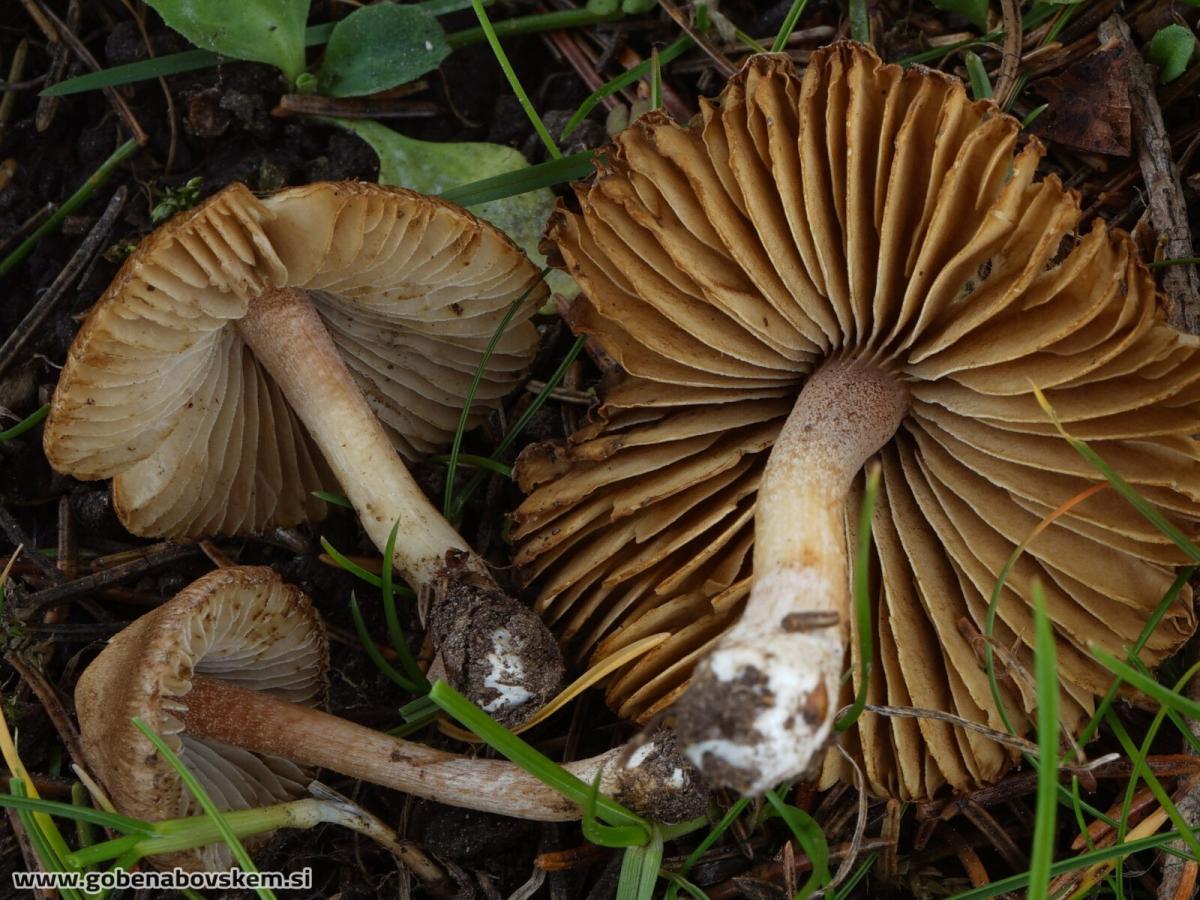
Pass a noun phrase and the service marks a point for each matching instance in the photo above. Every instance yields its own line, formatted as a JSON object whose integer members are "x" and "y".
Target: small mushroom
{"x": 855, "y": 264}
{"x": 251, "y": 352}
{"x": 231, "y": 672}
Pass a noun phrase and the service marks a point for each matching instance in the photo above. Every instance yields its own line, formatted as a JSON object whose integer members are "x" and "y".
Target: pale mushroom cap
{"x": 242, "y": 625}
{"x": 161, "y": 394}
{"x": 863, "y": 209}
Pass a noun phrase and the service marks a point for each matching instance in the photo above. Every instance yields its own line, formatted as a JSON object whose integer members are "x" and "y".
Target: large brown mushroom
{"x": 231, "y": 672}
{"x": 855, "y": 264}
{"x": 250, "y": 352}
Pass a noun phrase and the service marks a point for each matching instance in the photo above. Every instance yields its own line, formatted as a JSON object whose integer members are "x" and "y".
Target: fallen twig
{"x": 1010, "y": 56}
{"x": 61, "y": 284}
{"x": 1165, "y": 202}
{"x": 62, "y": 592}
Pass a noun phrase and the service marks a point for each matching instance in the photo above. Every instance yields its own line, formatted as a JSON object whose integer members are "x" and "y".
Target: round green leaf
{"x": 433, "y": 168}
{"x": 1171, "y": 49}
{"x": 378, "y": 47}
{"x": 266, "y": 31}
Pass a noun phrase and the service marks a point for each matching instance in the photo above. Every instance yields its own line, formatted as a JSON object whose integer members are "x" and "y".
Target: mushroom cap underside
{"x": 161, "y": 394}
{"x": 863, "y": 209}
{"x": 242, "y": 625}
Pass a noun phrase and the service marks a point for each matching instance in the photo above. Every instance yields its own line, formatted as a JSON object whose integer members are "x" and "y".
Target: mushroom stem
{"x": 501, "y": 654}
{"x": 761, "y": 706}
{"x": 289, "y": 339}
{"x": 254, "y": 721}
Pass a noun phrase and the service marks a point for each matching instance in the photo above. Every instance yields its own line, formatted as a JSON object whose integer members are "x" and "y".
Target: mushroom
{"x": 231, "y": 672}
{"x": 822, "y": 270}
{"x": 251, "y": 352}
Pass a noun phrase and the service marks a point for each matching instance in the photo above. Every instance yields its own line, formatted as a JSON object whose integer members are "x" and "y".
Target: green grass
{"x": 1046, "y": 809}
{"x": 93, "y": 183}
{"x": 631, "y": 76}
{"x": 413, "y": 680}
{"x": 513, "y": 82}
{"x": 862, "y": 598}
{"x": 605, "y": 821}
{"x": 27, "y": 424}
{"x": 810, "y": 837}
{"x": 981, "y": 86}
{"x": 206, "y": 803}
{"x": 469, "y": 400}
{"x": 789, "y": 25}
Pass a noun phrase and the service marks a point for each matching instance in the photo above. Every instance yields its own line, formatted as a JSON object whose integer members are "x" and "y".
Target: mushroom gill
{"x": 823, "y": 269}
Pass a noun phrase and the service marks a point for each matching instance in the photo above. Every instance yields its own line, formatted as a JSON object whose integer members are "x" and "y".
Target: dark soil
{"x": 219, "y": 128}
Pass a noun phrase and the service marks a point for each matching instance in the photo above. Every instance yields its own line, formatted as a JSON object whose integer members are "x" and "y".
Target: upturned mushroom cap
{"x": 161, "y": 394}
{"x": 244, "y": 626}
{"x": 864, "y": 211}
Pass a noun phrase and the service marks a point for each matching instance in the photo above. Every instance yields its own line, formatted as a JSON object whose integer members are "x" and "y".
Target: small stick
{"x": 45, "y": 26}
{"x": 16, "y": 534}
{"x": 1010, "y": 59}
{"x": 68, "y": 556}
{"x": 53, "y": 706}
{"x": 15, "y": 69}
{"x": 1101, "y": 834}
{"x": 69, "y": 205}
{"x": 999, "y": 838}
{"x": 1165, "y": 203}
{"x": 85, "y": 56}
{"x": 172, "y": 117}
{"x": 1176, "y": 871}
{"x": 773, "y": 871}
{"x": 39, "y": 216}
{"x": 62, "y": 283}
{"x": 353, "y": 107}
{"x": 720, "y": 60}
{"x": 62, "y": 592}
{"x": 48, "y": 106}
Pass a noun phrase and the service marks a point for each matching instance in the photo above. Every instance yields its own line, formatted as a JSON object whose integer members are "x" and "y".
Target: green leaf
{"x": 1171, "y": 49}
{"x": 378, "y": 47}
{"x": 433, "y": 168}
{"x": 266, "y": 31}
{"x": 974, "y": 10}
{"x": 639, "y": 869}
{"x": 811, "y": 839}
{"x": 981, "y": 87}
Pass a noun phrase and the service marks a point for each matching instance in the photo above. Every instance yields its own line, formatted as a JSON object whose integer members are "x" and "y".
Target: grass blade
{"x": 231, "y": 840}
{"x": 1046, "y": 678}
{"x": 788, "y": 26}
{"x": 515, "y": 83}
{"x": 811, "y": 839}
{"x": 72, "y": 203}
{"x": 469, "y": 401}
{"x": 25, "y": 424}
{"x": 536, "y": 764}
{"x": 1145, "y": 684}
{"x": 520, "y": 181}
{"x": 1083, "y": 860}
{"x": 862, "y": 598}
{"x": 639, "y": 869}
{"x": 395, "y": 632}
{"x": 625, "y": 79}
{"x": 372, "y": 651}
{"x": 518, "y": 426}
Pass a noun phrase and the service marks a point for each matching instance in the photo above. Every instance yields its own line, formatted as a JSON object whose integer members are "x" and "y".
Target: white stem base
{"x": 760, "y": 708}
{"x": 775, "y": 689}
